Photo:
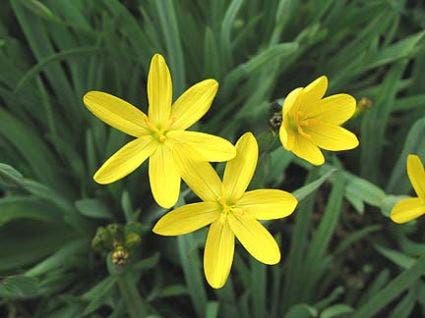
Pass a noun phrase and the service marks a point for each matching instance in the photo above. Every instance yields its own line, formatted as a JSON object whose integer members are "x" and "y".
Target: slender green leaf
{"x": 414, "y": 143}
{"x": 336, "y": 311}
{"x": 306, "y": 190}
{"x": 97, "y": 295}
{"x": 392, "y": 290}
{"x": 192, "y": 273}
{"x": 212, "y": 309}
{"x": 93, "y": 208}
{"x": 18, "y": 286}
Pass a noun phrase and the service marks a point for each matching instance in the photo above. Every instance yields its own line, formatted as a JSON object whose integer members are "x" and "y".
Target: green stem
{"x": 392, "y": 290}
{"x": 135, "y": 305}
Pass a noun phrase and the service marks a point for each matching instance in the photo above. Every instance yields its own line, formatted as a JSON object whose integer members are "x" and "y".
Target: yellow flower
{"x": 160, "y": 132}
{"x": 310, "y": 122}
{"x": 408, "y": 209}
{"x": 230, "y": 210}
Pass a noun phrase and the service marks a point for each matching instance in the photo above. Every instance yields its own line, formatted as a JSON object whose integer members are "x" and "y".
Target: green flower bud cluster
{"x": 118, "y": 241}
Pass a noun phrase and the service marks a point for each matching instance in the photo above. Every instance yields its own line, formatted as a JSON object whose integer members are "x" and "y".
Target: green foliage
{"x": 73, "y": 248}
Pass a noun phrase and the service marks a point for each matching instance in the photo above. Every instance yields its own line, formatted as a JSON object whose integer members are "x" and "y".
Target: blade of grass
{"x": 292, "y": 288}
{"x": 355, "y": 237}
{"x": 32, "y": 148}
{"x": 414, "y": 143}
{"x": 392, "y": 290}
{"x": 227, "y": 299}
{"x": 212, "y": 309}
{"x": 46, "y": 61}
{"x": 258, "y": 288}
{"x": 309, "y": 188}
{"x": 261, "y": 60}
{"x": 375, "y": 122}
{"x": 226, "y": 31}
{"x": 406, "y": 305}
{"x": 193, "y": 276}
{"x": 135, "y": 305}
{"x": 170, "y": 31}
{"x": 322, "y": 236}
{"x": 42, "y": 47}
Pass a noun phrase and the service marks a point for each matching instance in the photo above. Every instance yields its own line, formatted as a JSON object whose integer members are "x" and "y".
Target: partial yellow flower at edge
{"x": 411, "y": 208}
{"x": 311, "y": 122}
{"x": 159, "y": 133}
{"x": 229, "y": 210}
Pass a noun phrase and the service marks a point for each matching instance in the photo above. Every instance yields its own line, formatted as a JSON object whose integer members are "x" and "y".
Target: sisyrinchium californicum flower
{"x": 160, "y": 132}
{"x": 230, "y": 211}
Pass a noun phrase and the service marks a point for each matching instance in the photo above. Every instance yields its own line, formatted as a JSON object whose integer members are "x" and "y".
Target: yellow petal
{"x": 198, "y": 175}
{"x": 209, "y": 147}
{"x": 160, "y": 91}
{"x": 267, "y": 204}
{"x": 255, "y": 238}
{"x": 283, "y": 135}
{"x": 291, "y": 101}
{"x": 240, "y": 170}
{"x": 187, "y": 218}
{"x": 125, "y": 160}
{"x": 407, "y": 210}
{"x": 117, "y": 113}
{"x": 331, "y": 137}
{"x": 218, "y": 254}
{"x": 307, "y": 150}
{"x": 164, "y": 177}
{"x": 335, "y": 109}
{"x": 314, "y": 91}
{"x": 286, "y": 135}
{"x": 416, "y": 173}
{"x": 193, "y": 104}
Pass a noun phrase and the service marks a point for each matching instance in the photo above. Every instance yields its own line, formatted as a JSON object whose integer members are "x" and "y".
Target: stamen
{"x": 309, "y": 122}
{"x": 225, "y": 207}
{"x": 303, "y": 133}
{"x": 298, "y": 116}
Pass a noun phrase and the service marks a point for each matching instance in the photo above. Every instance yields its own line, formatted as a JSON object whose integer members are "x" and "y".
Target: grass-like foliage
{"x": 70, "y": 247}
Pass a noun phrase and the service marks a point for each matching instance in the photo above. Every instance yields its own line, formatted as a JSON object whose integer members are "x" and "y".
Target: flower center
{"x": 160, "y": 136}
{"x": 158, "y": 132}
{"x": 298, "y": 123}
{"x": 226, "y": 207}
{"x": 292, "y": 123}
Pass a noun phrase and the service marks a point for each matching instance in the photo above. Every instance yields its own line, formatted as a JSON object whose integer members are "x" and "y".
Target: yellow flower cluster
{"x": 310, "y": 122}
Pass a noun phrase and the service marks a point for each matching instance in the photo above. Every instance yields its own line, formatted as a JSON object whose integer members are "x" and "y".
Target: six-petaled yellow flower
{"x": 408, "y": 209}
{"x": 311, "y": 122}
{"x": 160, "y": 132}
{"x": 230, "y": 210}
